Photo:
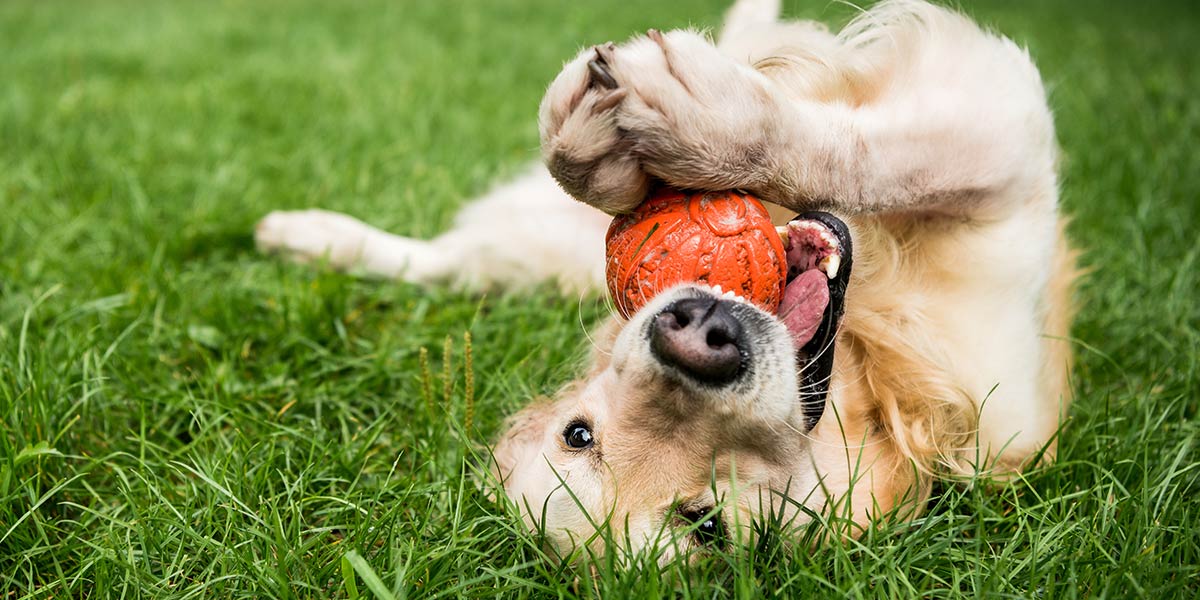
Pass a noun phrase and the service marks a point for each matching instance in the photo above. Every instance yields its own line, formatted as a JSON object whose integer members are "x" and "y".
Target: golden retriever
{"x": 922, "y": 333}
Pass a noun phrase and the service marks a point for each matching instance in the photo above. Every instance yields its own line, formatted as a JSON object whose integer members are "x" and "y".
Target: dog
{"x": 929, "y": 293}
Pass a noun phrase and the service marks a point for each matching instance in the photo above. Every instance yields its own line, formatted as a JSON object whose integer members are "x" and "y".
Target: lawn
{"x": 181, "y": 416}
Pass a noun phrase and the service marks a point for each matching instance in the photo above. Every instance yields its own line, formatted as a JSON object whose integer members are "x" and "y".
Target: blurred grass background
{"x": 180, "y": 416}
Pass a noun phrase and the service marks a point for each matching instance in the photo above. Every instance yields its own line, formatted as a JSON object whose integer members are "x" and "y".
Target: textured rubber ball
{"x": 716, "y": 238}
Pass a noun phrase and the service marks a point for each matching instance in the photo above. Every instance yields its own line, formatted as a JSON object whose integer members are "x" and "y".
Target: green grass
{"x": 180, "y": 416}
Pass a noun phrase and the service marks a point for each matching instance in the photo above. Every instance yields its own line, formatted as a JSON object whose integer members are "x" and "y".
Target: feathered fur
{"x": 929, "y": 136}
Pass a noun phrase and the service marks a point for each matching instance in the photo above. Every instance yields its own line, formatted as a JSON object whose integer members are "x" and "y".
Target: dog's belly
{"x": 987, "y": 302}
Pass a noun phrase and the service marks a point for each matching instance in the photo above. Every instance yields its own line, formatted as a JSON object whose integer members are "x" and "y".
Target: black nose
{"x": 700, "y": 337}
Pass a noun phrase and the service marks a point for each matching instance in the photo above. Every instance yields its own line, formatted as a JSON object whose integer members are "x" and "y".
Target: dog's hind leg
{"x": 347, "y": 244}
{"x": 753, "y": 33}
{"x": 522, "y": 233}
{"x": 747, "y": 16}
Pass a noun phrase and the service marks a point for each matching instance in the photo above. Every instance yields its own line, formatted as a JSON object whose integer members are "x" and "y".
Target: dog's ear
{"x": 519, "y": 448}
{"x": 520, "y": 443}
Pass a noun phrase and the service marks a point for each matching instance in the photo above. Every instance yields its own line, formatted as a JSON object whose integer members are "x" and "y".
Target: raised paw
{"x": 580, "y": 141}
{"x": 662, "y": 106}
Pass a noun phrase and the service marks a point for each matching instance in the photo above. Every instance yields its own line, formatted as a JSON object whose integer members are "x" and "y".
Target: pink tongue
{"x": 804, "y": 301}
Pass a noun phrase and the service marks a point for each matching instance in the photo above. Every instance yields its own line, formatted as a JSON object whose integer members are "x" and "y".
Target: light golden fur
{"x": 930, "y": 137}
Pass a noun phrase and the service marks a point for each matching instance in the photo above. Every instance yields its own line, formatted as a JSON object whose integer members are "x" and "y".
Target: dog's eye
{"x": 578, "y": 435}
{"x": 710, "y": 530}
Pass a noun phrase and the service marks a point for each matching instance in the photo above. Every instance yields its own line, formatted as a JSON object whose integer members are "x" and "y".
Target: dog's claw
{"x": 598, "y": 67}
{"x": 600, "y": 75}
{"x": 609, "y": 100}
{"x": 606, "y": 52}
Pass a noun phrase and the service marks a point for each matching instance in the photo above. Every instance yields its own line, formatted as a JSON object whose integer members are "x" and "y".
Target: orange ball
{"x": 717, "y": 238}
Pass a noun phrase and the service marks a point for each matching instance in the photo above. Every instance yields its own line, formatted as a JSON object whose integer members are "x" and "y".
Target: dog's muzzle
{"x": 700, "y": 337}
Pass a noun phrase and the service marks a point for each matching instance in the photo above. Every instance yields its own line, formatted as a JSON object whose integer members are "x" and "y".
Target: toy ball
{"x": 719, "y": 238}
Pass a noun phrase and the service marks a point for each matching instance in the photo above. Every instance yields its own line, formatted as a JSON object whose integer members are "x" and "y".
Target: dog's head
{"x": 693, "y": 422}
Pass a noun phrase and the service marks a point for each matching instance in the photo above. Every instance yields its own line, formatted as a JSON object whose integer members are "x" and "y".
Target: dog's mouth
{"x": 819, "y": 258}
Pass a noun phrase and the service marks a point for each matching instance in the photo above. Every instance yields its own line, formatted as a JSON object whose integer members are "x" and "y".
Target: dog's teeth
{"x": 830, "y": 265}
{"x": 716, "y": 289}
{"x": 782, "y": 230}
{"x": 826, "y": 236}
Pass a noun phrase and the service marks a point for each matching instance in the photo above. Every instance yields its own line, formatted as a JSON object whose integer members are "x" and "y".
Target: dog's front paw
{"x": 310, "y": 235}
{"x": 581, "y": 143}
{"x": 666, "y": 106}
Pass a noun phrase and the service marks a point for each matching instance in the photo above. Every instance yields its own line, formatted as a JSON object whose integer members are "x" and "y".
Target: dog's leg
{"x": 937, "y": 117}
{"x": 348, "y": 244}
{"x": 522, "y": 233}
{"x": 943, "y": 119}
{"x": 747, "y": 16}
